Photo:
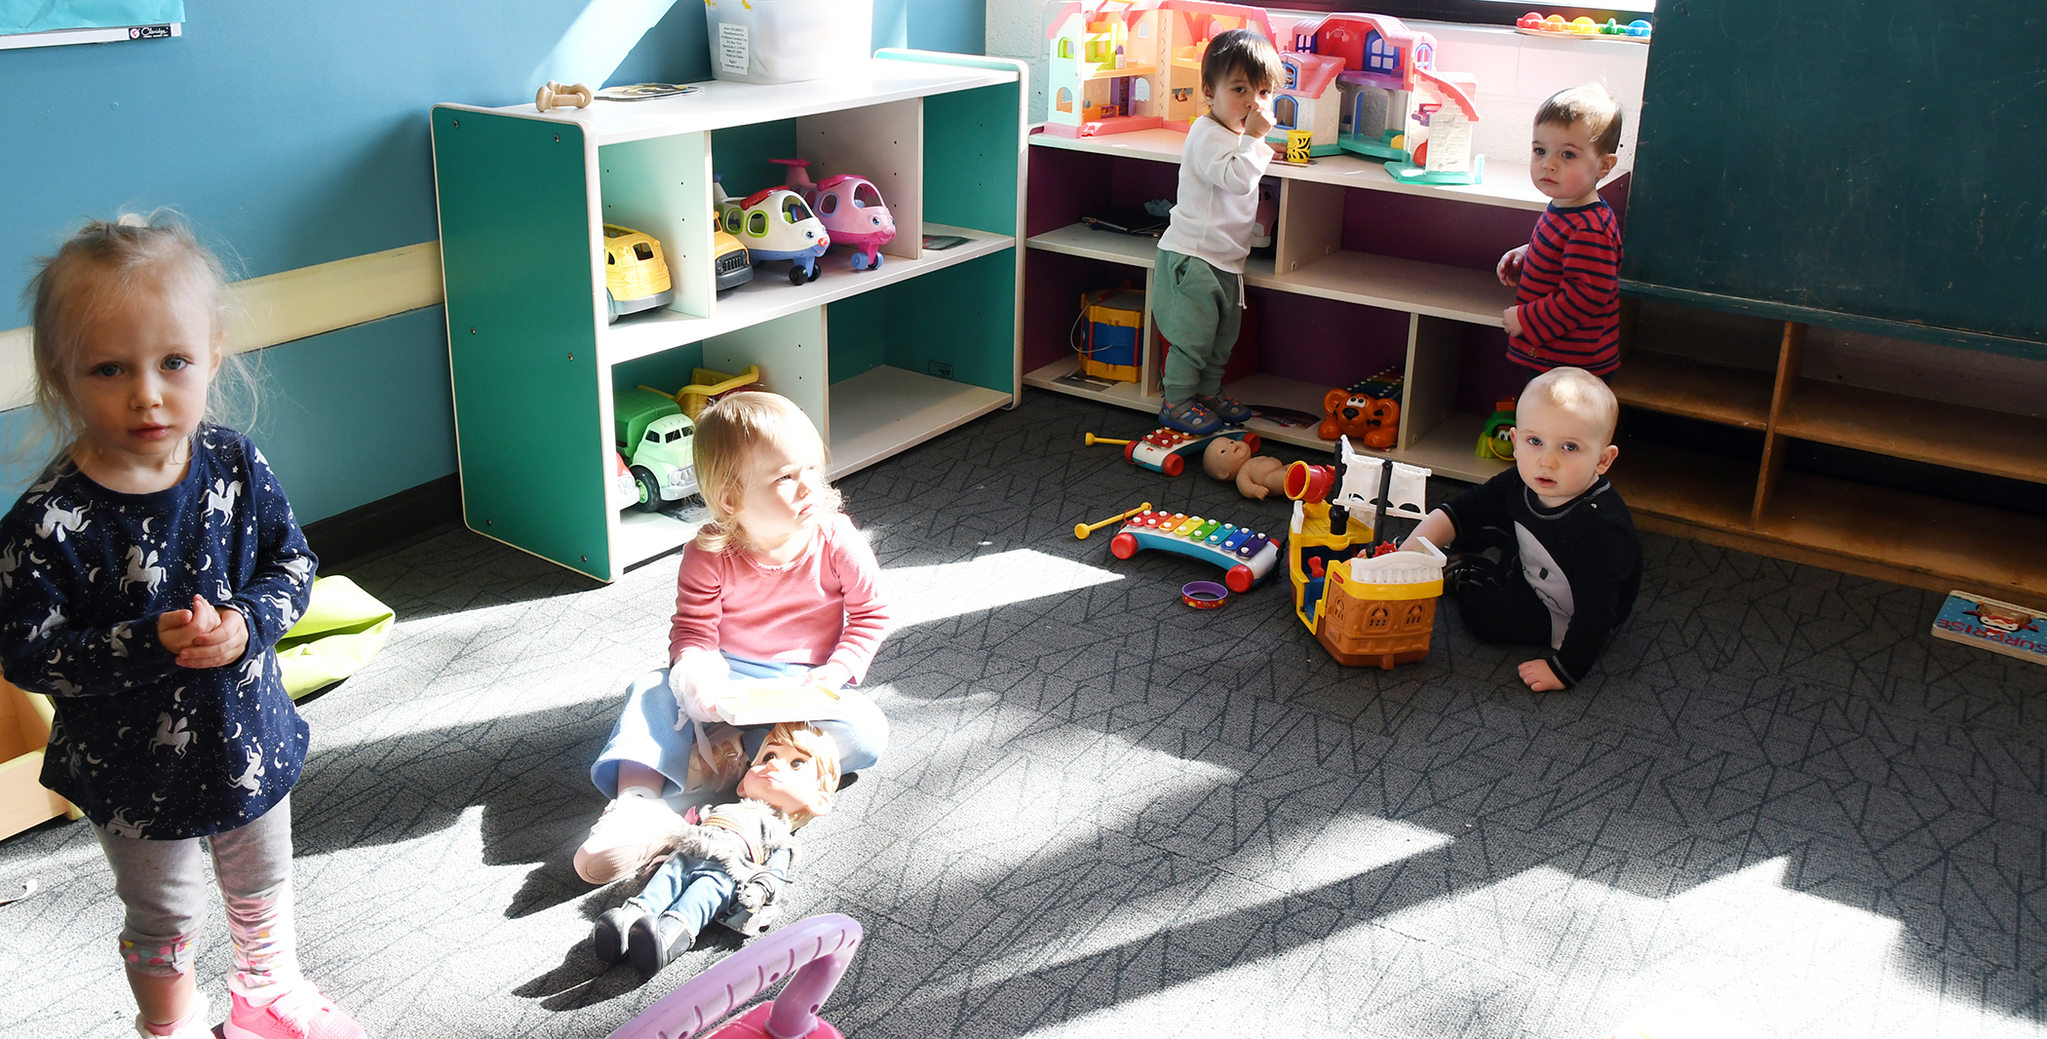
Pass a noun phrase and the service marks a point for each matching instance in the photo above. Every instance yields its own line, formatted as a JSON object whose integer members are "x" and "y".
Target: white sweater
{"x": 1219, "y": 173}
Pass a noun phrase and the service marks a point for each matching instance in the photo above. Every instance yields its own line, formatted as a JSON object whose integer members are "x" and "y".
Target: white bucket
{"x": 783, "y": 41}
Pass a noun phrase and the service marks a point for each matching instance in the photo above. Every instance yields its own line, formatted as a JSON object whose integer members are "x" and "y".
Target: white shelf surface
{"x": 648, "y": 535}
{"x": 1446, "y": 449}
{"x": 1506, "y": 184}
{"x": 887, "y": 410}
{"x": 723, "y": 104}
{"x": 1434, "y": 289}
{"x": 1411, "y": 286}
{"x": 770, "y": 295}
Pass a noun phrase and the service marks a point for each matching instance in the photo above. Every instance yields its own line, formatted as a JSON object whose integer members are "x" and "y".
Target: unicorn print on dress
{"x": 121, "y": 826}
{"x": 142, "y": 570}
{"x": 51, "y": 623}
{"x": 222, "y": 499}
{"x": 173, "y": 736}
{"x": 10, "y": 561}
{"x": 299, "y": 567}
{"x": 117, "y": 638}
{"x": 252, "y": 669}
{"x": 251, "y": 777}
{"x": 56, "y": 522}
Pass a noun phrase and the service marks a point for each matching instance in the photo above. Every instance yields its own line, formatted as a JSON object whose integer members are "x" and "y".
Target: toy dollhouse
{"x": 1307, "y": 99}
{"x": 1124, "y": 65}
{"x": 1393, "y": 102}
{"x": 1366, "y": 608}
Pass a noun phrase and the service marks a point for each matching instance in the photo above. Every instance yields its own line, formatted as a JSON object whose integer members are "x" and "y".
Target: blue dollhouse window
{"x": 1293, "y": 75}
{"x": 1285, "y": 113}
{"x": 1424, "y": 56}
{"x": 1380, "y": 56}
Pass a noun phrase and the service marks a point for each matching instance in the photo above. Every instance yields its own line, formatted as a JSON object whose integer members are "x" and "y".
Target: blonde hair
{"x": 824, "y": 758}
{"x": 96, "y": 271}
{"x": 728, "y": 432}
{"x": 1592, "y": 103}
{"x": 1581, "y": 393}
{"x": 1245, "y": 51}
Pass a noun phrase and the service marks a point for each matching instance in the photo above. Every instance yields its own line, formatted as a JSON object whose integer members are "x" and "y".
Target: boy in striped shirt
{"x": 1567, "y": 309}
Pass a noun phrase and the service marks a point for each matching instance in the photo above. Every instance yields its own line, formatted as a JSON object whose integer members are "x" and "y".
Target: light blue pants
{"x": 645, "y": 732}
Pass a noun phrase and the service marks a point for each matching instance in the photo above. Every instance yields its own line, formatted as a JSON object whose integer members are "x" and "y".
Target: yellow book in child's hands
{"x": 765, "y": 703}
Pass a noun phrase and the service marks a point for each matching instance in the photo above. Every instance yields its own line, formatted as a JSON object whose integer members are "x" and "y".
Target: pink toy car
{"x": 851, "y": 209}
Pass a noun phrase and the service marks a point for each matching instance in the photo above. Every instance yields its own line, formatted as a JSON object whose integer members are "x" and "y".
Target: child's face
{"x": 780, "y": 501}
{"x": 140, "y": 373}
{"x": 786, "y": 777}
{"x": 1234, "y": 99}
{"x": 1559, "y": 451}
{"x": 1564, "y": 165}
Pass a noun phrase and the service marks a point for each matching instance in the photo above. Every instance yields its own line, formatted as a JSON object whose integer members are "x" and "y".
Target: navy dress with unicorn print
{"x": 146, "y": 748}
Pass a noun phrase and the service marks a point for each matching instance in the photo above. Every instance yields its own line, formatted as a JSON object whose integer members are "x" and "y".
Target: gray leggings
{"x": 163, "y": 885}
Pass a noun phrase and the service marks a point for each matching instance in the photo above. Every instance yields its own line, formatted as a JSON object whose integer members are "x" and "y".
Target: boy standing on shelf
{"x": 1198, "y": 289}
{"x": 1545, "y": 553}
{"x": 1567, "y": 309}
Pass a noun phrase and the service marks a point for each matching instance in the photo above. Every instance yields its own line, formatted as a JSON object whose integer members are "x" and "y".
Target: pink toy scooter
{"x": 812, "y": 953}
{"x": 851, "y": 209}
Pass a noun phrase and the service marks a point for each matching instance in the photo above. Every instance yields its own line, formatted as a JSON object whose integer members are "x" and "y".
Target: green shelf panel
{"x": 971, "y": 144}
{"x": 516, "y": 241}
{"x": 957, "y": 323}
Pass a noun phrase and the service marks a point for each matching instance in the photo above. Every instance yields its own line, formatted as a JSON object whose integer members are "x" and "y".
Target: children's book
{"x": 2000, "y": 627}
{"x": 765, "y": 703}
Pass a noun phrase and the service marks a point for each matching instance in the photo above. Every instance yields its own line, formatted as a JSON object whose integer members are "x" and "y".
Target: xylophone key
{"x": 1202, "y": 532}
{"x": 1237, "y": 537}
{"x": 1221, "y": 534}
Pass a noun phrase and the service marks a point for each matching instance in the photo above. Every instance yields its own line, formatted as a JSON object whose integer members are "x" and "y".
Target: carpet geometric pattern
{"x": 1778, "y": 806}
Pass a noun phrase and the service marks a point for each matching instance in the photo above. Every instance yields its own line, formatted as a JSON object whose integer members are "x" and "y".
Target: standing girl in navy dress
{"x": 144, "y": 579}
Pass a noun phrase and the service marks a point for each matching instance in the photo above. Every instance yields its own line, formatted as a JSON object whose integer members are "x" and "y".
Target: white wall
{"x": 1515, "y": 72}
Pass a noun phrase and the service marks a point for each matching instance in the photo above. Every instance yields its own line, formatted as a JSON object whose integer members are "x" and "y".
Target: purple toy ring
{"x": 1204, "y": 595}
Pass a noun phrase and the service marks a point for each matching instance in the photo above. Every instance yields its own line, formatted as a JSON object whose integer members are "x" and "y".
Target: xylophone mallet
{"x": 1082, "y": 530}
{"x": 1092, "y": 440}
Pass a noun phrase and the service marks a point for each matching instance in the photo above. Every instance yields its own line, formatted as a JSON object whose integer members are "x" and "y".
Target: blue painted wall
{"x": 291, "y": 135}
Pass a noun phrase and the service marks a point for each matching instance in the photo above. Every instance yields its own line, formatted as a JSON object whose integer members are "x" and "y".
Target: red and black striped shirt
{"x": 1570, "y": 292}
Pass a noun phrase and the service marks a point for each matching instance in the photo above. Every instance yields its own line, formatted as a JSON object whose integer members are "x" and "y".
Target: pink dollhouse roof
{"x": 1457, "y": 86}
{"x": 1253, "y": 16}
{"x": 1129, "y": 11}
{"x": 1318, "y": 71}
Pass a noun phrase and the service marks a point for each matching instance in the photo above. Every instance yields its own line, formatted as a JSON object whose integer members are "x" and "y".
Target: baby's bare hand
{"x": 223, "y": 644}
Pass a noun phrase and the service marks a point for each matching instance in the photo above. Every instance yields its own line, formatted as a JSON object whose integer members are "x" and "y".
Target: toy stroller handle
{"x": 812, "y": 953}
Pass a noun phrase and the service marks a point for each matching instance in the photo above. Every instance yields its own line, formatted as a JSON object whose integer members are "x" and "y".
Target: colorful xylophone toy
{"x": 1167, "y": 450}
{"x": 1245, "y": 556}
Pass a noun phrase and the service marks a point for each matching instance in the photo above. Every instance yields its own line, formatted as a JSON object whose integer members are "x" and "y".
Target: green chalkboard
{"x": 1880, "y": 166}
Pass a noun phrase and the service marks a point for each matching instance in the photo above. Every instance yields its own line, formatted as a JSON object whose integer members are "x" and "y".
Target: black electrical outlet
{"x": 940, "y": 369}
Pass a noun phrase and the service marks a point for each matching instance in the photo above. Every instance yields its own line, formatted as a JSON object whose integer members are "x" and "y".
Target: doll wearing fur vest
{"x": 724, "y": 858}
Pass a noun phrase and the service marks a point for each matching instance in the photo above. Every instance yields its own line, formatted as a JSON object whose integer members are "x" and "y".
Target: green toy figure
{"x": 1497, "y": 441}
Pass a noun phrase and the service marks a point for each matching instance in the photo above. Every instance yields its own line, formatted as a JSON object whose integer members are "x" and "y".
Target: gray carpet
{"x": 1779, "y": 806}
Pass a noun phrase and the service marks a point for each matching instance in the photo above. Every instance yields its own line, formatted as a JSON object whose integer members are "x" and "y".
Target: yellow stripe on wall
{"x": 282, "y": 307}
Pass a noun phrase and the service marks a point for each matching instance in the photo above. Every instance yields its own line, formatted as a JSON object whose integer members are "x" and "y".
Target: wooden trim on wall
{"x": 1790, "y": 362}
{"x": 286, "y": 306}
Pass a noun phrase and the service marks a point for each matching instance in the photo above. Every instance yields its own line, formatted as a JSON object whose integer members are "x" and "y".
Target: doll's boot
{"x": 609, "y": 934}
{"x": 652, "y": 941}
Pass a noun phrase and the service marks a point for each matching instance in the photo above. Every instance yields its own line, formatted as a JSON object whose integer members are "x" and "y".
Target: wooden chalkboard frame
{"x": 1867, "y": 167}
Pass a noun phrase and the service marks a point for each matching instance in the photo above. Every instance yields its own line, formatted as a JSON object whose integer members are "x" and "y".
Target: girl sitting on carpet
{"x": 778, "y": 585}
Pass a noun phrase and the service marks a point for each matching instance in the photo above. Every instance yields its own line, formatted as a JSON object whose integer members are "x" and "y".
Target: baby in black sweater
{"x": 1568, "y": 562}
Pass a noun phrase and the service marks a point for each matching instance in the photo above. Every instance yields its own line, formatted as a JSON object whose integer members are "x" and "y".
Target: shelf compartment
{"x": 770, "y": 295}
{"x": 1690, "y": 488}
{"x": 1511, "y": 189}
{"x": 887, "y": 410}
{"x": 1474, "y": 297}
{"x": 1952, "y": 435}
{"x": 1062, "y": 376}
{"x": 1679, "y": 386}
{"x": 1082, "y": 240}
{"x": 1910, "y": 538}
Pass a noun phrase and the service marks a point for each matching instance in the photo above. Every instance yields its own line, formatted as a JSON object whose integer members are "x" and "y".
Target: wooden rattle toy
{"x": 559, "y": 95}
{"x": 1082, "y": 530}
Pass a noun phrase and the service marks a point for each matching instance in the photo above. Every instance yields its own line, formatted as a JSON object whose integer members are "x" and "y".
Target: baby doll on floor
{"x": 728, "y": 856}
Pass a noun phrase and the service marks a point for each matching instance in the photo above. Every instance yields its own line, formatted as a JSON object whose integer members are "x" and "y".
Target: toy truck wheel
{"x": 860, "y": 261}
{"x": 1174, "y": 465}
{"x": 1239, "y": 578}
{"x": 1253, "y": 441}
{"x": 650, "y": 489}
{"x": 1123, "y": 545}
{"x": 796, "y": 274}
{"x": 877, "y": 261}
{"x": 816, "y": 269}
{"x": 1130, "y": 452}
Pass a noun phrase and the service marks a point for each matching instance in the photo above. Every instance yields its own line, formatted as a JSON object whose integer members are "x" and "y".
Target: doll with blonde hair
{"x": 778, "y": 586}
{"x": 729, "y": 855}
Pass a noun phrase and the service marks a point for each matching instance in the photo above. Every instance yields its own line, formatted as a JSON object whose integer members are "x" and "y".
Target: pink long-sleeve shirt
{"x": 822, "y": 607}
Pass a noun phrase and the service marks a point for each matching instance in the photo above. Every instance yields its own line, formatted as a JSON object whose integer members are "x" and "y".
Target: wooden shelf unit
{"x": 1438, "y": 300}
{"x": 880, "y": 360}
{"x": 1920, "y": 539}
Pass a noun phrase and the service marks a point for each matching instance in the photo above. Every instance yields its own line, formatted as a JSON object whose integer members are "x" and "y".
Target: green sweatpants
{"x": 1194, "y": 306}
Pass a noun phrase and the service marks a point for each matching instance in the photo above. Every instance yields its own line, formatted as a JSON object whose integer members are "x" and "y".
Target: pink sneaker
{"x": 300, "y": 1013}
{"x": 630, "y": 833}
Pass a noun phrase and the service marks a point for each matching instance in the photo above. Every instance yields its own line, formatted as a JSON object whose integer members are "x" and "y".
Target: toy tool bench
{"x": 880, "y": 355}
